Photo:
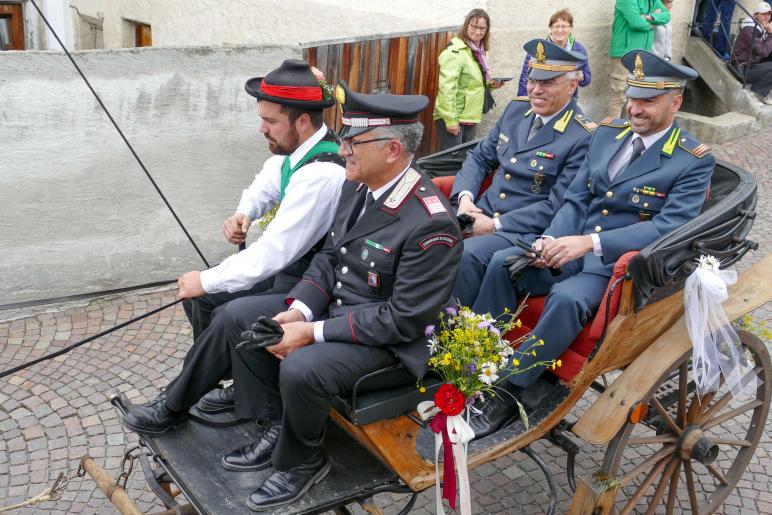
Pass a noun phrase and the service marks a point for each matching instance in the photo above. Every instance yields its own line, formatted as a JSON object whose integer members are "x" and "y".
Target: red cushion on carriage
{"x": 445, "y": 184}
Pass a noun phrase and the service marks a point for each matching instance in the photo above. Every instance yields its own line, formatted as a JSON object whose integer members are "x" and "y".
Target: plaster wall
{"x": 77, "y": 214}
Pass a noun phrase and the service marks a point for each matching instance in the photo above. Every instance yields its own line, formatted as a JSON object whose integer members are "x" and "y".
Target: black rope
{"x": 141, "y": 164}
{"x": 67, "y": 349}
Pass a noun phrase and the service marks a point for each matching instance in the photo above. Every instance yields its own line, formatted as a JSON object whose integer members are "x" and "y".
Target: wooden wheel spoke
{"x": 672, "y": 495}
{"x": 683, "y": 391}
{"x": 695, "y": 407}
{"x": 690, "y": 488}
{"x": 731, "y": 441}
{"x": 716, "y": 472}
{"x": 658, "y": 456}
{"x": 729, "y": 415}
{"x": 651, "y": 440}
{"x": 644, "y": 486}
{"x": 666, "y": 416}
{"x": 715, "y": 408}
{"x": 663, "y": 481}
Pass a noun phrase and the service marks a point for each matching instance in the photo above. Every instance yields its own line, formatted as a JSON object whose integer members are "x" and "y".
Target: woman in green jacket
{"x": 464, "y": 75}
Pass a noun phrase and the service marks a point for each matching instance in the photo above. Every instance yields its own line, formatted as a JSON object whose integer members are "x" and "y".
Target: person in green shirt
{"x": 633, "y": 29}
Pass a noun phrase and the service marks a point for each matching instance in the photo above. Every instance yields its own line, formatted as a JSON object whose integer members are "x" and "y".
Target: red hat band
{"x": 310, "y": 93}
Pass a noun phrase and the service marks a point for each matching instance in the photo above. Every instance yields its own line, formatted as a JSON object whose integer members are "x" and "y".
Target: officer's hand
{"x": 482, "y": 224}
{"x": 557, "y": 253}
{"x": 190, "y": 286}
{"x": 465, "y": 205}
{"x": 235, "y": 228}
{"x": 538, "y": 246}
{"x": 453, "y": 131}
{"x": 296, "y": 335}
{"x": 291, "y": 315}
{"x": 579, "y": 75}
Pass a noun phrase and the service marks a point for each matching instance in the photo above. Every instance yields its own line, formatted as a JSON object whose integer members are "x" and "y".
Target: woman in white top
{"x": 663, "y": 36}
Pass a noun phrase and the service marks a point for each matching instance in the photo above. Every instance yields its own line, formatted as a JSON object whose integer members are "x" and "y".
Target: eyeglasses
{"x": 347, "y": 144}
{"x": 478, "y": 28}
{"x": 550, "y": 83}
{"x": 562, "y": 27}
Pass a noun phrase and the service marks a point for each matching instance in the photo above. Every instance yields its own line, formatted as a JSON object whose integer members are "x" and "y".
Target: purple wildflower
{"x": 451, "y": 311}
{"x": 484, "y": 324}
{"x": 494, "y": 330}
{"x": 473, "y": 367}
{"x": 429, "y": 330}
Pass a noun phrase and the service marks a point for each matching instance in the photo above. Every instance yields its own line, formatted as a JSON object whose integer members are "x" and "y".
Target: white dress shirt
{"x": 304, "y": 216}
{"x": 300, "y": 306}
{"x": 619, "y": 163}
{"x": 545, "y": 120}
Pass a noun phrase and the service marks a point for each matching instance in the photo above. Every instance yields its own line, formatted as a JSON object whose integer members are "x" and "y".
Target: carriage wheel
{"x": 689, "y": 453}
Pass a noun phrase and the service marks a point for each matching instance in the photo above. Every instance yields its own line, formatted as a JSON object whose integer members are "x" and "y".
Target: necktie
{"x": 355, "y": 211}
{"x": 369, "y": 201}
{"x": 638, "y": 148}
{"x": 537, "y": 124}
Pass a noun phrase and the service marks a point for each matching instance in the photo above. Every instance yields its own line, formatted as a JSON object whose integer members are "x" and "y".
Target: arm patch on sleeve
{"x": 438, "y": 239}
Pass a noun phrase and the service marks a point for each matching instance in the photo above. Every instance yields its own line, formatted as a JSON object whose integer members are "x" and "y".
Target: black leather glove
{"x": 515, "y": 265}
{"x": 265, "y": 332}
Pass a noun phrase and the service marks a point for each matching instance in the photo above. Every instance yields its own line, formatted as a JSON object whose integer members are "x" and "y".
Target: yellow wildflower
{"x": 422, "y": 389}
{"x": 516, "y": 362}
{"x": 518, "y": 323}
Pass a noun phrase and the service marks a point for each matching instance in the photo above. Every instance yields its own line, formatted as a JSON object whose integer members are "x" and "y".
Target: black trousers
{"x": 760, "y": 78}
{"x": 199, "y": 310}
{"x": 466, "y": 133}
{"x": 298, "y": 389}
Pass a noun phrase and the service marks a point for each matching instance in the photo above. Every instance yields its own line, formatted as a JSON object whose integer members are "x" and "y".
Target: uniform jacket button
{"x": 338, "y": 284}
{"x": 344, "y": 270}
{"x": 338, "y": 302}
{"x": 507, "y": 177}
{"x": 513, "y": 160}
{"x": 609, "y": 194}
{"x": 502, "y": 195}
{"x": 343, "y": 250}
{"x": 534, "y": 162}
{"x": 645, "y": 204}
{"x": 496, "y": 214}
{"x": 604, "y": 212}
{"x": 598, "y": 228}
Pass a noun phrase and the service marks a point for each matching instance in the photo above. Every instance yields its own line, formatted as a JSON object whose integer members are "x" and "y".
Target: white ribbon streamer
{"x": 716, "y": 347}
{"x": 460, "y": 434}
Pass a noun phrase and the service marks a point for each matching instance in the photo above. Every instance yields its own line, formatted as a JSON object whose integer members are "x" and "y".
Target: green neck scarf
{"x": 323, "y": 147}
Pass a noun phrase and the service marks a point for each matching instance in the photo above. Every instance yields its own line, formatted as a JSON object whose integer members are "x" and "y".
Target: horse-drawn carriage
{"x": 666, "y": 447}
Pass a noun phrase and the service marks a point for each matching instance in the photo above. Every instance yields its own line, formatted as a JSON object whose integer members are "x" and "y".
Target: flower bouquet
{"x": 471, "y": 354}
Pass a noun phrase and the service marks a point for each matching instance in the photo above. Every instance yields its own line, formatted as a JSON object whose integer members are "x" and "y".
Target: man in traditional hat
{"x": 642, "y": 179}
{"x": 534, "y": 152}
{"x": 300, "y": 188}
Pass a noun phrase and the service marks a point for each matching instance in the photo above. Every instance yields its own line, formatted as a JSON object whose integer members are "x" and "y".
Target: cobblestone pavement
{"x": 57, "y": 411}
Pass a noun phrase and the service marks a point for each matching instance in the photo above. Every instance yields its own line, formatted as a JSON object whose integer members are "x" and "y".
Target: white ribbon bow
{"x": 715, "y": 345}
{"x": 460, "y": 434}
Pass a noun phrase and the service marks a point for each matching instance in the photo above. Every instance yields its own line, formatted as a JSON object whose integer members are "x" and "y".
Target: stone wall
{"x": 77, "y": 214}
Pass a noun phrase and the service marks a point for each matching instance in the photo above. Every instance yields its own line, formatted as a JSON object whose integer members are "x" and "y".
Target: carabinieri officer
{"x": 534, "y": 151}
{"x": 641, "y": 180}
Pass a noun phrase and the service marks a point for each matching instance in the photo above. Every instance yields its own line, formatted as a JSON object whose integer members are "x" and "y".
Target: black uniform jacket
{"x": 388, "y": 277}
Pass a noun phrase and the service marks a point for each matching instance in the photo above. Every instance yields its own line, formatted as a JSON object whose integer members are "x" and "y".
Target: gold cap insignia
{"x": 638, "y": 70}
{"x": 340, "y": 94}
{"x": 540, "y": 57}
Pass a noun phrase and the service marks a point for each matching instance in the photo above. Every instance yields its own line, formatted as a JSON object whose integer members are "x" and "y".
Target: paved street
{"x": 57, "y": 411}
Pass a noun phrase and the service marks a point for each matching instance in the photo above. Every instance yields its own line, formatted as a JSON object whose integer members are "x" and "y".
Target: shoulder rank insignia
{"x": 561, "y": 124}
{"x": 586, "y": 123}
{"x": 403, "y": 188}
{"x": 614, "y": 122}
{"x": 694, "y": 147}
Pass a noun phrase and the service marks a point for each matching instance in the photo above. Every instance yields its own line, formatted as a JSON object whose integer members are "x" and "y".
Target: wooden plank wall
{"x": 400, "y": 65}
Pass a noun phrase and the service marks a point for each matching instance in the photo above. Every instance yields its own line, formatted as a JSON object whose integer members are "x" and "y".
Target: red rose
{"x": 449, "y": 400}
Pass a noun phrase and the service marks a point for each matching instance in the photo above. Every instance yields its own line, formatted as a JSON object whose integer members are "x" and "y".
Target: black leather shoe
{"x": 255, "y": 456}
{"x": 497, "y": 411}
{"x": 285, "y": 487}
{"x": 218, "y": 400}
{"x": 153, "y": 418}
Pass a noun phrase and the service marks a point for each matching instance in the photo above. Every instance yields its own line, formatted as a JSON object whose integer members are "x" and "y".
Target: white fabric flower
{"x": 709, "y": 262}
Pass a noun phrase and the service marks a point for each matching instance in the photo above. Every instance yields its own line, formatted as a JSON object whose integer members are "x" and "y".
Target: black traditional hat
{"x": 362, "y": 112}
{"x": 651, "y": 76}
{"x": 292, "y": 84}
{"x": 549, "y": 60}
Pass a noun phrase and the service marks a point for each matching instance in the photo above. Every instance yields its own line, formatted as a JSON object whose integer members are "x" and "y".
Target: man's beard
{"x": 287, "y": 147}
